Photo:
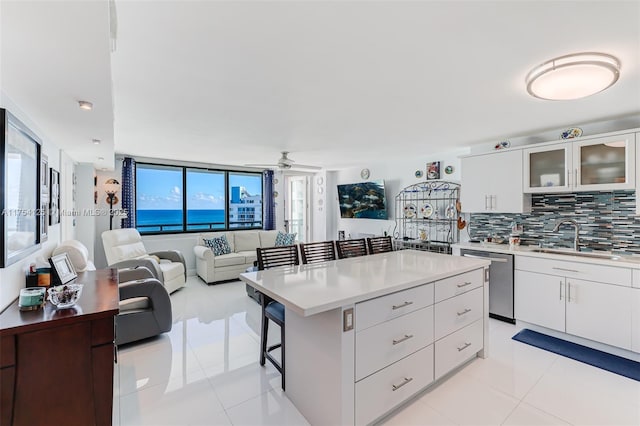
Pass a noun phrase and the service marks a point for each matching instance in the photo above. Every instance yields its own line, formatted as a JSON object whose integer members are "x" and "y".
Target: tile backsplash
{"x": 607, "y": 221}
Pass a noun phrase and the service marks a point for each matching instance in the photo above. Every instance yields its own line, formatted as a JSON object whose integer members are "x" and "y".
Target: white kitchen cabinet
{"x": 637, "y": 175}
{"x": 600, "y": 312}
{"x": 539, "y": 299}
{"x": 596, "y": 311}
{"x": 593, "y": 164}
{"x": 493, "y": 183}
{"x": 635, "y": 320}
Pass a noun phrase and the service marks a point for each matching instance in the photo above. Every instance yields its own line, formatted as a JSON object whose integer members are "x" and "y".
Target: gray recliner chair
{"x": 145, "y": 306}
{"x": 124, "y": 249}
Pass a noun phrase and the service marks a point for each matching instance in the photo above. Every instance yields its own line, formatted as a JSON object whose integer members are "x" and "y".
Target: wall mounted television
{"x": 364, "y": 200}
{"x": 20, "y": 169}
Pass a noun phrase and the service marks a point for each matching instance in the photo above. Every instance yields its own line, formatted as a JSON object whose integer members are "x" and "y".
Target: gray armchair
{"x": 124, "y": 249}
{"x": 145, "y": 306}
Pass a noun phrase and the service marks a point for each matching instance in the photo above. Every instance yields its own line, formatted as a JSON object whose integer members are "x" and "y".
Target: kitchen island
{"x": 365, "y": 334}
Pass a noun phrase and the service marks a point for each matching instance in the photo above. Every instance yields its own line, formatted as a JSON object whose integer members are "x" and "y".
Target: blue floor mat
{"x": 613, "y": 363}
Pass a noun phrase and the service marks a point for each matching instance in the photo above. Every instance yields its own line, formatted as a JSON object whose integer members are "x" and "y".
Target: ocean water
{"x": 172, "y": 219}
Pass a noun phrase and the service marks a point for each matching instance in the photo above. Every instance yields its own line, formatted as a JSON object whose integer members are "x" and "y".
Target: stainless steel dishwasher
{"x": 500, "y": 283}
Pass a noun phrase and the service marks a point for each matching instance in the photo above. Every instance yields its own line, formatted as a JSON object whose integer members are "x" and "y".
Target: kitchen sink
{"x": 569, "y": 252}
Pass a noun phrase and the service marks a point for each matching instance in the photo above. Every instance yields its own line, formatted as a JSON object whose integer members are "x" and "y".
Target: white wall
{"x": 67, "y": 202}
{"x": 12, "y": 278}
{"x": 86, "y": 219}
{"x": 396, "y": 175}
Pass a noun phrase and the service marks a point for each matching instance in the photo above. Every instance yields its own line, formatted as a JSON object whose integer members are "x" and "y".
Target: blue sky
{"x": 161, "y": 189}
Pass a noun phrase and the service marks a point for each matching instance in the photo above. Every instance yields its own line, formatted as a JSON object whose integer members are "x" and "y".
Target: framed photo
{"x": 20, "y": 153}
{"x": 44, "y": 198}
{"x": 433, "y": 170}
{"x": 63, "y": 270}
{"x": 54, "y": 200}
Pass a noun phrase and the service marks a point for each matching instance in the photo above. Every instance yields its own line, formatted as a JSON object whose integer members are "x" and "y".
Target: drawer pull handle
{"x": 402, "y": 339}
{"x": 466, "y": 311}
{"x": 465, "y": 346}
{"x": 404, "y": 382}
{"x": 394, "y": 307}
{"x": 564, "y": 269}
{"x": 466, "y": 283}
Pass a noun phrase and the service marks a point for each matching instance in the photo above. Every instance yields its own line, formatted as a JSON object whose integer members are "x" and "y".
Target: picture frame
{"x": 44, "y": 198}
{"x": 19, "y": 190}
{"x": 62, "y": 268}
{"x": 433, "y": 170}
{"x": 54, "y": 199}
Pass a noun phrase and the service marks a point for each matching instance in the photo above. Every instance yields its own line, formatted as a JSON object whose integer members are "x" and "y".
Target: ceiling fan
{"x": 285, "y": 163}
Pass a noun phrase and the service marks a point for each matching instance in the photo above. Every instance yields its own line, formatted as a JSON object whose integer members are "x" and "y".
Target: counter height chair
{"x": 271, "y": 257}
{"x": 317, "y": 252}
{"x": 351, "y": 248}
{"x": 380, "y": 244}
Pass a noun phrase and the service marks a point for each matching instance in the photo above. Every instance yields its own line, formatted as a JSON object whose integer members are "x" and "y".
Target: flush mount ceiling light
{"x": 95, "y": 141}
{"x": 85, "y": 105}
{"x": 573, "y": 76}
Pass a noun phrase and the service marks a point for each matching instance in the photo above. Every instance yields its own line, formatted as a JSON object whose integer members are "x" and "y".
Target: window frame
{"x": 227, "y": 195}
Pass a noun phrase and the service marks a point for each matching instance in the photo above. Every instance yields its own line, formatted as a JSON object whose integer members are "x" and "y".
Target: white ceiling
{"x": 337, "y": 83}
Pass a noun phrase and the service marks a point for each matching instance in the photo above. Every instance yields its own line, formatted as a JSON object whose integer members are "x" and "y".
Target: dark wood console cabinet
{"x": 56, "y": 366}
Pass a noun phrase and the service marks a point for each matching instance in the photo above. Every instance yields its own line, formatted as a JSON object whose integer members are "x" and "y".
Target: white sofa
{"x": 229, "y": 266}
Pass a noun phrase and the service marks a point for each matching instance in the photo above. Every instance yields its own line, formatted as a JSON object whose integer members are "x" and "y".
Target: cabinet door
{"x": 539, "y": 299}
{"x": 604, "y": 163}
{"x": 635, "y": 320}
{"x": 493, "y": 183}
{"x": 547, "y": 168}
{"x": 474, "y": 188}
{"x": 600, "y": 312}
{"x": 508, "y": 195}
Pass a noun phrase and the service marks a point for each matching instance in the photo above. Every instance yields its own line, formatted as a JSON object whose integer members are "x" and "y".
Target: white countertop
{"x": 319, "y": 287}
{"x": 624, "y": 261}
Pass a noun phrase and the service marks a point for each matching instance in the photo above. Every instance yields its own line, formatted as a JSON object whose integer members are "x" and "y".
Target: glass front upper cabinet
{"x": 606, "y": 163}
{"x": 546, "y": 168}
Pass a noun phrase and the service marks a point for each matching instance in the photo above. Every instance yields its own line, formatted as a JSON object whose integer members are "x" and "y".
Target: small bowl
{"x": 64, "y": 296}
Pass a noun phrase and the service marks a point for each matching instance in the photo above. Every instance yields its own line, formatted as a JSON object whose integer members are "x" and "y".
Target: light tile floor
{"x": 206, "y": 372}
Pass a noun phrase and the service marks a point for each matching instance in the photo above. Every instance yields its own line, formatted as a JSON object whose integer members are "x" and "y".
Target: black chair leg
{"x": 282, "y": 354}
{"x": 264, "y": 333}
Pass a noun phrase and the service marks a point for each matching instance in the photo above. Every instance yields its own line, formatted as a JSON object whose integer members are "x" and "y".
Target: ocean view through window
{"x": 173, "y": 199}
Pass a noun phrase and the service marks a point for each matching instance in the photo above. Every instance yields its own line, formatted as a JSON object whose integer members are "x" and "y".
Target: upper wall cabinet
{"x": 492, "y": 183}
{"x": 598, "y": 164}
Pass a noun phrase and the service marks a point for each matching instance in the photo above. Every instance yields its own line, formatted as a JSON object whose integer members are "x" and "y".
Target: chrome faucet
{"x": 576, "y": 242}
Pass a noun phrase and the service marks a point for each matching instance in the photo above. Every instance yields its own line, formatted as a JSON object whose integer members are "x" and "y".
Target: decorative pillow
{"x": 283, "y": 239}
{"x": 218, "y": 245}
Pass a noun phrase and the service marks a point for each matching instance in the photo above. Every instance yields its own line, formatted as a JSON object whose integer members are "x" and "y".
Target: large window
{"x": 205, "y": 200}
{"x": 245, "y": 200}
{"x": 171, "y": 199}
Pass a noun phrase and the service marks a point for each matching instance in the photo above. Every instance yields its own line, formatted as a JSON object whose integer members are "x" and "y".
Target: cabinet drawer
{"x": 458, "y": 284}
{"x": 393, "y": 305}
{"x": 456, "y": 348}
{"x": 386, "y": 343}
{"x": 584, "y": 271}
{"x": 380, "y": 392}
{"x": 457, "y": 312}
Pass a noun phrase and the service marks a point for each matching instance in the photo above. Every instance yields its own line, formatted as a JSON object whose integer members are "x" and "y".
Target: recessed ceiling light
{"x": 100, "y": 158}
{"x": 95, "y": 141}
{"x": 85, "y": 105}
{"x": 573, "y": 76}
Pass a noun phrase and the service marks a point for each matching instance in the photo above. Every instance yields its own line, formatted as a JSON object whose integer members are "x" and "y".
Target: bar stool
{"x": 351, "y": 248}
{"x": 271, "y": 257}
{"x": 380, "y": 244}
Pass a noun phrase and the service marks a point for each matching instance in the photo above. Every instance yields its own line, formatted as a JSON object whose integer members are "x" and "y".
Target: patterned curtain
{"x": 128, "y": 192}
{"x": 268, "y": 201}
